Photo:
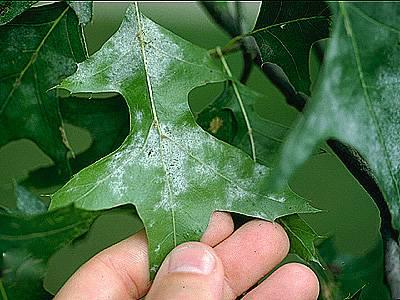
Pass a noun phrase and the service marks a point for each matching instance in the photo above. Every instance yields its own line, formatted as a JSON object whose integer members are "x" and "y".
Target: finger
{"x": 191, "y": 271}
{"x": 121, "y": 271}
{"x": 250, "y": 253}
{"x": 292, "y": 281}
{"x": 221, "y": 227}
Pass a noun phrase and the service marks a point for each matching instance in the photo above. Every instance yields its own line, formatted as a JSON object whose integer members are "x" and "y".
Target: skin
{"x": 224, "y": 265}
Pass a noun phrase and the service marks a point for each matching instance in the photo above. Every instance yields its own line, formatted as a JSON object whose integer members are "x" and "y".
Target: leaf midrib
{"x": 266, "y": 28}
{"x": 155, "y": 117}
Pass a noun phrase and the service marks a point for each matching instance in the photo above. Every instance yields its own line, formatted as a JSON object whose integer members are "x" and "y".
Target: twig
{"x": 234, "y": 25}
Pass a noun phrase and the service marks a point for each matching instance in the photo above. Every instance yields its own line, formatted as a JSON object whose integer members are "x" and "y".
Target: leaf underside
{"x": 356, "y": 100}
{"x": 175, "y": 173}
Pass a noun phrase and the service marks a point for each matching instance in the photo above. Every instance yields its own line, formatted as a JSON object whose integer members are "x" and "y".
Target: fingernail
{"x": 191, "y": 259}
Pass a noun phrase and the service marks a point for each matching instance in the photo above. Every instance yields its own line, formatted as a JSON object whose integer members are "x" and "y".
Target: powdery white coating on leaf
{"x": 278, "y": 198}
{"x": 161, "y": 53}
{"x": 175, "y": 173}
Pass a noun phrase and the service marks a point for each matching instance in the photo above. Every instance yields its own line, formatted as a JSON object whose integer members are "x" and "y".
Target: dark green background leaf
{"x": 224, "y": 119}
{"x": 285, "y": 32}
{"x": 47, "y": 53}
{"x": 363, "y": 274}
{"x": 107, "y": 121}
{"x": 28, "y": 241}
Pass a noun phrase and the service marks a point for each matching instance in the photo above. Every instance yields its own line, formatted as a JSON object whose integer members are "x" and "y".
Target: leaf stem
{"x": 3, "y": 291}
{"x": 240, "y": 101}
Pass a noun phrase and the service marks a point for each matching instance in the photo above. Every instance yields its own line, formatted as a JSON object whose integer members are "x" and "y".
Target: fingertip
{"x": 292, "y": 281}
{"x": 251, "y": 252}
{"x": 271, "y": 233}
{"x": 220, "y": 227}
{"x": 191, "y": 271}
{"x": 303, "y": 279}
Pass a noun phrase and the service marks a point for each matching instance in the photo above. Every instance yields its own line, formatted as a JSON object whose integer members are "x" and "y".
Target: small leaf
{"x": 26, "y": 244}
{"x": 10, "y": 9}
{"x": 175, "y": 173}
{"x": 356, "y": 100}
{"x": 285, "y": 32}
{"x": 224, "y": 119}
{"x": 30, "y": 67}
{"x": 302, "y": 238}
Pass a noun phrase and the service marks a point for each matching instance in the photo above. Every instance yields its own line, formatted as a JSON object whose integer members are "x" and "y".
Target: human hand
{"x": 224, "y": 265}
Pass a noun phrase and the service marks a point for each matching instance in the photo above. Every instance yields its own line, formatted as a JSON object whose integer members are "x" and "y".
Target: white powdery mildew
{"x": 161, "y": 52}
{"x": 204, "y": 175}
{"x": 175, "y": 165}
{"x": 261, "y": 171}
{"x": 166, "y": 202}
{"x": 138, "y": 119}
{"x": 235, "y": 194}
{"x": 150, "y": 154}
{"x": 120, "y": 164}
{"x": 277, "y": 198}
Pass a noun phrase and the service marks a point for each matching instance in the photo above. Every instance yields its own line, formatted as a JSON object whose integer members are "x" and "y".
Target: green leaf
{"x": 83, "y": 9}
{"x": 361, "y": 276}
{"x": 175, "y": 173}
{"x": 30, "y": 67}
{"x": 10, "y": 9}
{"x": 302, "y": 238}
{"x": 26, "y": 244}
{"x": 224, "y": 119}
{"x": 356, "y": 100}
{"x": 285, "y": 32}
{"x": 107, "y": 120}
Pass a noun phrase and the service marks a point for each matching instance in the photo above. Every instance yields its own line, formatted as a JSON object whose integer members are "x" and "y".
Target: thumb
{"x": 191, "y": 271}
